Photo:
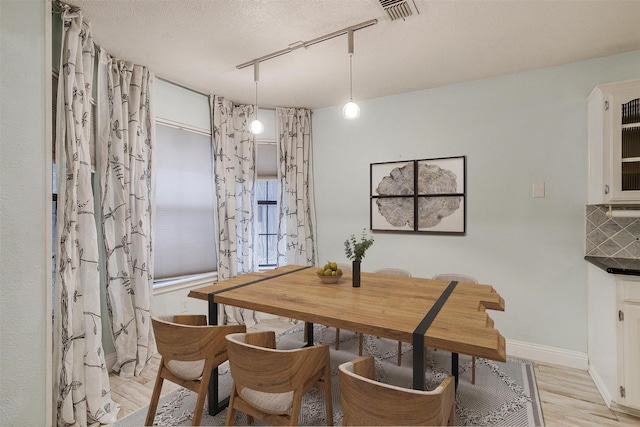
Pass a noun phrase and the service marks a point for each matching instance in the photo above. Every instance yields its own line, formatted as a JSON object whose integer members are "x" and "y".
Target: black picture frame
{"x": 419, "y": 196}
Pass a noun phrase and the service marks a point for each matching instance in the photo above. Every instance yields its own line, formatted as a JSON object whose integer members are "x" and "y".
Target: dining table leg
{"x": 309, "y": 333}
{"x": 215, "y": 406}
{"x": 454, "y": 367}
{"x": 419, "y": 353}
{"x": 418, "y": 362}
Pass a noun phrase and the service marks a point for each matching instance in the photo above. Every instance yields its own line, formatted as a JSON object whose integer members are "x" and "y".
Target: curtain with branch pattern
{"x": 125, "y": 170}
{"x": 235, "y": 179}
{"x": 297, "y": 216}
{"x": 81, "y": 378}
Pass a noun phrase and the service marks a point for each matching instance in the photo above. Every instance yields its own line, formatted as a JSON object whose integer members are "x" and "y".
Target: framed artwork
{"x": 419, "y": 196}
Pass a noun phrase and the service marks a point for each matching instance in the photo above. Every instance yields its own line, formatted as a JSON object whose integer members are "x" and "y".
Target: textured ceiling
{"x": 199, "y": 43}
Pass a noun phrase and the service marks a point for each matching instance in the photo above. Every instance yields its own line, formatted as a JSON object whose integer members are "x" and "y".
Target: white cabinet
{"x": 628, "y": 393}
{"x": 614, "y": 337}
{"x": 614, "y": 143}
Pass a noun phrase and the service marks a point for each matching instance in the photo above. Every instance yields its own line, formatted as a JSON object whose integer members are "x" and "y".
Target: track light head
{"x": 351, "y": 110}
{"x": 256, "y": 127}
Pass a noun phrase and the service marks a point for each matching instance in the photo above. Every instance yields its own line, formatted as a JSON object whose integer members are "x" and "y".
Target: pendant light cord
{"x": 350, "y": 77}
{"x": 256, "y": 99}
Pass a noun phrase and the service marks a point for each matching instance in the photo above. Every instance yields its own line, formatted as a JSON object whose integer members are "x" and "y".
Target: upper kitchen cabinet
{"x": 614, "y": 143}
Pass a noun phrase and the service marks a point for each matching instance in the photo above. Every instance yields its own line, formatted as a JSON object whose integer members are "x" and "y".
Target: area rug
{"x": 505, "y": 394}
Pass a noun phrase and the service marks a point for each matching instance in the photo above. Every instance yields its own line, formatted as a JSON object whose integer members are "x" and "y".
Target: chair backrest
{"x": 368, "y": 402}
{"x": 393, "y": 272}
{"x": 449, "y": 277}
{"x": 185, "y": 319}
{"x": 186, "y": 343}
{"x": 255, "y": 364}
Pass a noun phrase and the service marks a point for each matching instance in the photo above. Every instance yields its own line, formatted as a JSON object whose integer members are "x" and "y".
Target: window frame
{"x": 271, "y": 201}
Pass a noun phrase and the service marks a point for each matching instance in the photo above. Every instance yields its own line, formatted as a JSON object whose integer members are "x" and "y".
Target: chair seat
{"x": 186, "y": 370}
{"x": 276, "y": 403}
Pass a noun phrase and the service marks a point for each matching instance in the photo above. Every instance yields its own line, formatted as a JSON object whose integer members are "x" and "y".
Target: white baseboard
{"x": 546, "y": 354}
{"x": 604, "y": 391}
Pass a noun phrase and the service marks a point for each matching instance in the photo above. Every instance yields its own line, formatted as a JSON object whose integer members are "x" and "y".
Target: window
{"x": 267, "y": 196}
{"x": 184, "y": 242}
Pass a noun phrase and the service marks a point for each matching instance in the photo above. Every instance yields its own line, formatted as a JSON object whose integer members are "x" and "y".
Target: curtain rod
{"x": 299, "y": 44}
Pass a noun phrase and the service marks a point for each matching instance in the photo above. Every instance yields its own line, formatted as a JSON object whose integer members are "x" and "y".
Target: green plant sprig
{"x": 355, "y": 250}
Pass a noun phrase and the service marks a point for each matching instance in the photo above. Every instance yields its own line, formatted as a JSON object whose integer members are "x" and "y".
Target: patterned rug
{"x": 505, "y": 394}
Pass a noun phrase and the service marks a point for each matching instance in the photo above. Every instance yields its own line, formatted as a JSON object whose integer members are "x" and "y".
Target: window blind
{"x": 184, "y": 222}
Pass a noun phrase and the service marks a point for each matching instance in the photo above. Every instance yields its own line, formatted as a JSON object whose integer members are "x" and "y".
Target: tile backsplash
{"x": 611, "y": 237}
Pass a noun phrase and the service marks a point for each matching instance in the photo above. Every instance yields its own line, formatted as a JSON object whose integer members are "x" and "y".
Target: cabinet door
{"x": 631, "y": 355}
{"x": 622, "y": 110}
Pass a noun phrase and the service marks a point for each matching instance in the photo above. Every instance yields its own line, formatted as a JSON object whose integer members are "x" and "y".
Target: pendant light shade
{"x": 351, "y": 110}
{"x": 256, "y": 127}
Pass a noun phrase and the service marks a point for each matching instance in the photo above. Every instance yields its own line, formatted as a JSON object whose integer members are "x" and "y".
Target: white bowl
{"x": 330, "y": 279}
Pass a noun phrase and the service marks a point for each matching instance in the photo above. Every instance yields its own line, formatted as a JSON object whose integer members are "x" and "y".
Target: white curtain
{"x": 235, "y": 177}
{"x": 125, "y": 170}
{"x": 297, "y": 216}
{"x": 82, "y": 381}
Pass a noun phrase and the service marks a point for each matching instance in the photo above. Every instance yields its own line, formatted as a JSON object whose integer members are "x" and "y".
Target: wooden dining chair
{"x": 391, "y": 272}
{"x": 366, "y": 402}
{"x": 461, "y": 278}
{"x": 268, "y": 384}
{"x": 190, "y": 350}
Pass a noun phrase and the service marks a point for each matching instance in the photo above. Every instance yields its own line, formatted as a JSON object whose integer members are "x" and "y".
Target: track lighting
{"x": 351, "y": 110}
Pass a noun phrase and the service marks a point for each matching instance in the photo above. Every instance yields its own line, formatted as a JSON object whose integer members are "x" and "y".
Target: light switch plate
{"x": 538, "y": 189}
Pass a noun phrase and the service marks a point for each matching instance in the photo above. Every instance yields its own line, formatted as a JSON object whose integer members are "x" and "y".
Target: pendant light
{"x": 256, "y": 127}
{"x": 351, "y": 110}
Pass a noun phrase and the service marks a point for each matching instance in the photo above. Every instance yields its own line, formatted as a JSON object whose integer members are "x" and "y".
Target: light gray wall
{"x": 515, "y": 130}
{"x": 24, "y": 215}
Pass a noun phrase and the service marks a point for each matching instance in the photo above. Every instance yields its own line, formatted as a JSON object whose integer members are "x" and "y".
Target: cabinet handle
{"x": 606, "y": 189}
{"x": 606, "y": 105}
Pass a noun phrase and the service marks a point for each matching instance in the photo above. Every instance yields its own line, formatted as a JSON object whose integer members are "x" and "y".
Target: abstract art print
{"x": 422, "y": 196}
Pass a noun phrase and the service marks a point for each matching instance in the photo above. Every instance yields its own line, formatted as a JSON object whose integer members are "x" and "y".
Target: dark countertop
{"x": 630, "y": 267}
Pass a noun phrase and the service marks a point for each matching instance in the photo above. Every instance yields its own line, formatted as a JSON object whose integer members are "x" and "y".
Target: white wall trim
{"x": 604, "y": 392}
{"x": 546, "y": 354}
{"x": 163, "y": 287}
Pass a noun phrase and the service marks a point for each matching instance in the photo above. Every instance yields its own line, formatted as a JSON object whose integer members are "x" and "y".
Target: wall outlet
{"x": 184, "y": 305}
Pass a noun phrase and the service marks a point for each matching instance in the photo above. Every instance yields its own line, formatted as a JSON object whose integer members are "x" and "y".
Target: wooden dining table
{"x": 427, "y": 313}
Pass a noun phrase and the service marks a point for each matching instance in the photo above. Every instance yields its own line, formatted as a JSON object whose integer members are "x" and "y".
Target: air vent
{"x": 397, "y": 9}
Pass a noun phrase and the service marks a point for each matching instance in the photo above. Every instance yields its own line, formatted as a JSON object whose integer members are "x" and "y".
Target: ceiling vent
{"x": 397, "y": 9}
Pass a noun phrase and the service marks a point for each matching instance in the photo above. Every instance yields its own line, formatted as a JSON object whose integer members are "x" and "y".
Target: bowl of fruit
{"x": 329, "y": 273}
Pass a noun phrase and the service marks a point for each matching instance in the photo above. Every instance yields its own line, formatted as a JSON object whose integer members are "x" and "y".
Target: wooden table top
{"x": 385, "y": 306}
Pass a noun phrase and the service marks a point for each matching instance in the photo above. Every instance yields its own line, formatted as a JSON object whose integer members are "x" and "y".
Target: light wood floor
{"x": 568, "y": 396}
